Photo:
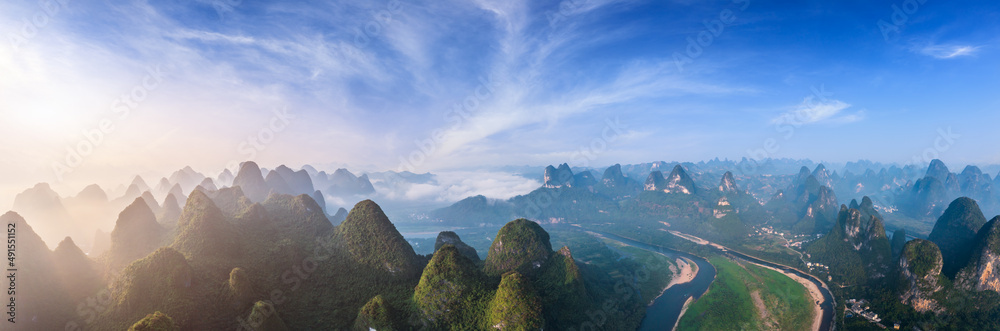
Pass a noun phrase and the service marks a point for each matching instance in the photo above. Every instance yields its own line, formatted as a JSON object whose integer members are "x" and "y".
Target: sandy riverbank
{"x": 687, "y": 271}
{"x": 813, "y": 292}
{"x": 683, "y": 273}
{"x": 683, "y": 310}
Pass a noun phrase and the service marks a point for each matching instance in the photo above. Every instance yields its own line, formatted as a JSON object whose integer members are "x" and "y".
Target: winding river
{"x": 664, "y": 312}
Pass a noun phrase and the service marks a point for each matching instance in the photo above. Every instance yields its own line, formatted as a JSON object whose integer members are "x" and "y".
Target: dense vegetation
{"x": 521, "y": 246}
{"x": 660, "y": 268}
{"x": 452, "y": 292}
{"x": 922, "y": 256}
{"x": 515, "y": 306}
{"x": 203, "y": 231}
{"x": 857, "y": 248}
{"x": 374, "y": 241}
{"x": 376, "y": 314}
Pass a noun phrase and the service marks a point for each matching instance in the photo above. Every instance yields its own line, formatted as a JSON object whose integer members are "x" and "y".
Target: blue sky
{"x": 373, "y": 84}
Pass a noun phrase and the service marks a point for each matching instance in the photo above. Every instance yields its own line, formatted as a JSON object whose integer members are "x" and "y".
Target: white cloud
{"x": 948, "y": 51}
{"x": 453, "y": 186}
{"x": 812, "y": 111}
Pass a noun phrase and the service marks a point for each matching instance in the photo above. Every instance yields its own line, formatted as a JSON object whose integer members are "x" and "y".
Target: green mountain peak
{"x": 515, "y": 306}
{"x": 374, "y": 241}
{"x": 376, "y": 314}
{"x": 954, "y": 232}
{"x": 203, "y": 230}
{"x": 450, "y": 289}
{"x": 522, "y": 246}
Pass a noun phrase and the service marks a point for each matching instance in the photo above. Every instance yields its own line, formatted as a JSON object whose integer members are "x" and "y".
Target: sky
{"x": 98, "y": 91}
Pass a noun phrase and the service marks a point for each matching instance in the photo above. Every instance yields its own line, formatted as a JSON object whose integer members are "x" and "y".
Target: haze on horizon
{"x": 366, "y": 85}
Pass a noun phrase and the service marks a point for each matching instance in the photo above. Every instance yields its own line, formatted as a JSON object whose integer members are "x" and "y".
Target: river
{"x": 663, "y": 313}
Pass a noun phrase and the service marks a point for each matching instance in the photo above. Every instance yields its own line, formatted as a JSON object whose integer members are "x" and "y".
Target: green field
{"x": 731, "y": 301}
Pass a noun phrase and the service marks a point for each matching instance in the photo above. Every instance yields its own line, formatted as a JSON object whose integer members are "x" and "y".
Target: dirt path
{"x": 788, "y": 244}
{"x": 765, "y": 316}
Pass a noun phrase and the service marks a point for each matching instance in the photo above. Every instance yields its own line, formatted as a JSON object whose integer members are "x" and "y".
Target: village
{"x": 856, "y": 307}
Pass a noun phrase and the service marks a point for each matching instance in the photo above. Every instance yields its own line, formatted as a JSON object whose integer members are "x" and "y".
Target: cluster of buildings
{"x": 820, "y": 266}
{"x": 791, "y": 241}
{"x": 860, "y": 308}
{"x": 764, "y": 230}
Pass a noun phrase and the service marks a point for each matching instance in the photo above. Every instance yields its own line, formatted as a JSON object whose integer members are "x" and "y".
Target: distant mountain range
{"x": 93, "y": 211}
{"x": 920, "y": 194}
{"x": 804, "y": 201}
{"x": 808, "y": 207}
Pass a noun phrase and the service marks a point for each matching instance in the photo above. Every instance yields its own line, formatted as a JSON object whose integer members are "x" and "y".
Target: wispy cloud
{"x": 538, "y": 90}
{"x": 812, "y": 111}
{"x": 948, "y": 51}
